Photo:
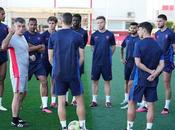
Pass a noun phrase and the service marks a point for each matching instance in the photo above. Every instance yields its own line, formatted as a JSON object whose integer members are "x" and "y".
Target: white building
{"x": 119, "y": 13}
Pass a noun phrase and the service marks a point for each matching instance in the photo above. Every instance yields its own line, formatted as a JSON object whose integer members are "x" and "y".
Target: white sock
{"x": 82, "y": 124}
{"x": 126, "y": 96}
{"x": 143, "y": 104}
{"x": 44, "y": 101}
{"x": 149, "y": 126}
{"x": 167, "y": 104}
{"x": 73, "y": 99}
{"x": 0, "y": 101}
{"x": 129, "y": 124}
{"x": 108, "y": 98}
{"x": 53, "y": 99}
{"x": 67, "y": 96}
{"x": 94, "y": 98}
{"x": 63, "y": 124}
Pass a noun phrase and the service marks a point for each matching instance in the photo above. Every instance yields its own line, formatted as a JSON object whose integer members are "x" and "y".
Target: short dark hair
{"x": 32, "y": 19}
{"x": 20, "y": 20}
{"x": 162, "y": 16}
{"x": 101, "y": 17}
{"x": 78, "y": 16}
{"x": 52, "y": 18}
{"x": 67, "y": 18}
{"x": 146, "y": 25}
{"x": 1, "y": 9}
{"x": 134, "y": 24}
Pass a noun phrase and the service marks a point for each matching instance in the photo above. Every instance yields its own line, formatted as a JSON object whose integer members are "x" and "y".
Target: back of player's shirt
{"x": 102, "y": 43}
{"x": 150, "y": 54}
{"x": 165, "y": 40}
{"x": 65, "y": 44}
{"x": 19, "y": 56}
{"x": 3, "y": 34}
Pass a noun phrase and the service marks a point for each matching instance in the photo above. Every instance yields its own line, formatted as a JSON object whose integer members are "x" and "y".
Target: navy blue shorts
{"x": 106, "y": 72}
{"x": 48, "y": 68}
{"x": 137, "y": 92}
{"x": 3, "y": 57}
{"x": 133, "y": 73}
{"x": 82, "y": 69}
{"x": 169, "y": 67}
{"x": 61, "y": 87}
{"x": 128, "y": 70}
{"x": 37, "y": 69}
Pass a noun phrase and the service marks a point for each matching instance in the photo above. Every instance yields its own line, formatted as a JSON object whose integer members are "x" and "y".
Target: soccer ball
{"x": 74, "y": 125}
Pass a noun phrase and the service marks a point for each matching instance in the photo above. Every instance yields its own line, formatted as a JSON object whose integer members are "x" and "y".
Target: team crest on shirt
{"x": 166, "y": 36}
{"x": 38, "y": 38}
{"x": 107, "y": 37}
{"x": 96, "y": 37}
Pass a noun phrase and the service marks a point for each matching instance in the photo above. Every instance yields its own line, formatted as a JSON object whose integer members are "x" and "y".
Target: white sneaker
{"x": 124, "y": 107}
{"x": 2, "y": 108}
{"x": 124, "y": 102}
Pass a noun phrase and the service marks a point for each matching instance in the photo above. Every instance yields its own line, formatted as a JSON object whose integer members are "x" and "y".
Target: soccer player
{"x": 36, "y": 66}
{"x": 52, "y": 22}
{"x": 76, "y": 26}
{"x": 64, "y": 46}
{"x": 128, "y": 61}
{"x": 150, "y": 63}
{"x": 103, "y": 46}
{"x": 166, "y": 39}
{"x": 3, "y": 56}
{"x": 19, "y": 63}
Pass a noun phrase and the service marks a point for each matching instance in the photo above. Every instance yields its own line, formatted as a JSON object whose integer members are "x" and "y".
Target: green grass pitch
{"x": 99, "y": 118}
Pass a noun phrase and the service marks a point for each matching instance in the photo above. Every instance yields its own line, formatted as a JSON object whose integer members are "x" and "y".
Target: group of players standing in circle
{"x": 60, "y": 54}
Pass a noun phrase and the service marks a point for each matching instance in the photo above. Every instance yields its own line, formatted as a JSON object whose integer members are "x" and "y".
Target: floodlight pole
{"x": 90, "y": 30}
{"x": 55, "y": 6}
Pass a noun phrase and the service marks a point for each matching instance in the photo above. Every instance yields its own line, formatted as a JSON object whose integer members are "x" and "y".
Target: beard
{"x": 162, "y": 26}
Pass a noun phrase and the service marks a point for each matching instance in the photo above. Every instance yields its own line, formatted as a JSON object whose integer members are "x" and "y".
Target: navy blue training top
{"x": 65, "y": 44}
{"x": 150, "y": 54}
{"x": 102, "y": 42}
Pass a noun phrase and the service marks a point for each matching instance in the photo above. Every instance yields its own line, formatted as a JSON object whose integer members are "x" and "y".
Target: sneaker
{"x": 74, "y": 103}
{"x": 165, "y": 111}
{"x": 2, "y": 108}
{"x": 53, "y": 105}
{"x": 22, "y": 121}
{"x": 46, "y": 110}
{"x": 66, "y": 103}
{"x": 142, "y": 109}
{"x": 64, "y": 128}
{"x": 124, "y": 102}
{"x": 108, "y": 104}
{"x": 18, "y": 125}
{"x": 124, "y": 107}
{"x": 93, "y": 104}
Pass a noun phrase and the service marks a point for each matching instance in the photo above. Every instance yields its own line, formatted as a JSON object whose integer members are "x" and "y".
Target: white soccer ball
{"x": 74, "y": 125}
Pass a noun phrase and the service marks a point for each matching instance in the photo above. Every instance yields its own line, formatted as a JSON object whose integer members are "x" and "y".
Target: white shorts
{"x": 19, "y": 85}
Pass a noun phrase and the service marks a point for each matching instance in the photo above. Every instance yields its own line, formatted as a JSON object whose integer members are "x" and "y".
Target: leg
{"x": 44, "y": 93}
{"x": 53, "y": 96}
{"x": 62, "y": 110}
{"x": 16, "y": 103}
{"x": 107, "y": 90}
{"x": 3, "y": 69}
{"x": 81, "y": 111}
{"x": 167, "y": 84}
{"x": 131, "y": 115}
{"x": 150, "y": 115}
{"x": 94, "y": 93}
